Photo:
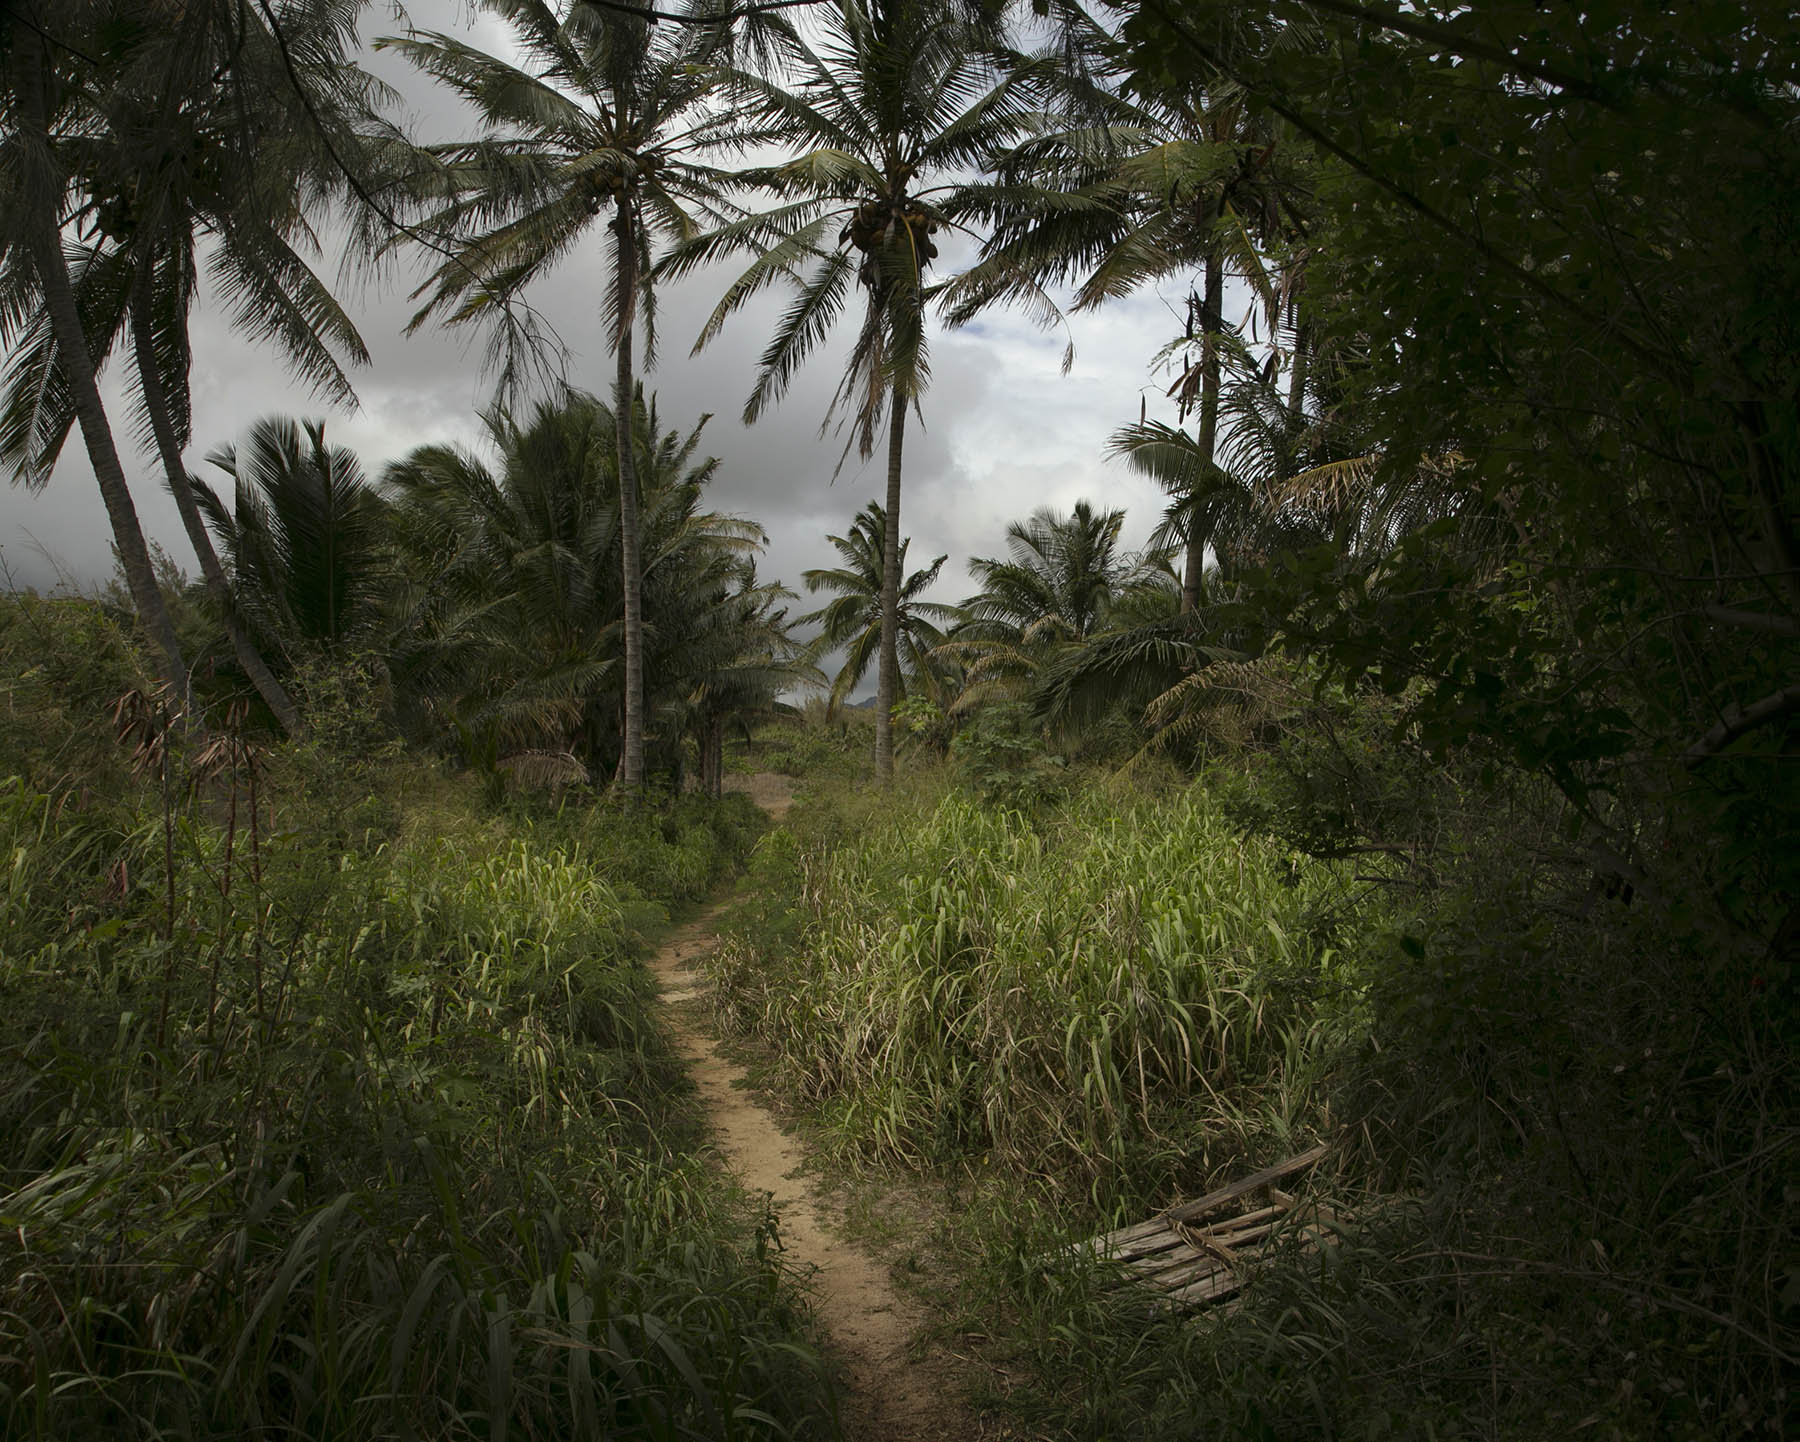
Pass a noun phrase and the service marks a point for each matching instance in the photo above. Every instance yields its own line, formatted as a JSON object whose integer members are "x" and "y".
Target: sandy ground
{"x": 890, "y": 1395}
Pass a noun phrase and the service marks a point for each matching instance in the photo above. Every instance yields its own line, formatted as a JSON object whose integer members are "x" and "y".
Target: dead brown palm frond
{"x": 544, "y": 770}
{"x": 1226, "y": 701}
{"x": 1331, "y": 487}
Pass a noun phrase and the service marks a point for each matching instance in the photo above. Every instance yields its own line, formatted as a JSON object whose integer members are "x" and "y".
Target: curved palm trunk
{"x": 630, "y": 777}
{"x": 887, "y": 675}
{"x": 78, "y": 365}
{"x": 162, "y": 426}
{"x": 1211, "y": 306}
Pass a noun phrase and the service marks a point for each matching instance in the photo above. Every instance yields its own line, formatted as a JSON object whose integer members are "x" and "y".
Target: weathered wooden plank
{"x": 1214, "y": 1252}
{"x": 1207, "y": 1289}
{"x": 1124, "y": 1237}
{"x": 1246, "y": 1219}
{"x": 1112, "y": 1242}
{"x": 1194, "y": 1210}
{"x": 1151, "y": 1246}
{"x": 1195, "y": 1266}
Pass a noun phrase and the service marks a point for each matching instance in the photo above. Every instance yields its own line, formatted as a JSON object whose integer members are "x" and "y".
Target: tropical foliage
{"x": 302, "y": 537}
{"x": 1423, "y": 785}
{"x": 851, "y": 622}
{"x": 610, "y": 112}
{"x": 335, "y": 1133}
{"x": 887, "y": 105}
{"x": 509, "y": 630}
{"x": 203, "y": 126}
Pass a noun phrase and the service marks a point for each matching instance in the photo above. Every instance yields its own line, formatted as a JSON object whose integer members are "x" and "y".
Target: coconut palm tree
{"x": 200, "y": 130}
{"x": 45, "y": 98}
{"x": 516, "y": 639}
{"x": 302, "y": 535}
{"x": 853, "y": 621}
{"x": 740, "y": 654}
{"x": 609, "y": 111}
{"x": 892, "y": 105}
{"x": 1137, "y": 190}
{"x": 1061, "y": 583}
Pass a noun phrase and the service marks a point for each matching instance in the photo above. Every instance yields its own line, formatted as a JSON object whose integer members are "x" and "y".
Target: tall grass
{"x": 1116, "y": 997}
{"x": 1563, "y": 1179}
{"x": 382, "y": 1140}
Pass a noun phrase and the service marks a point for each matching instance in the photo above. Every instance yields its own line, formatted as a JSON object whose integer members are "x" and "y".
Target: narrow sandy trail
{"x": 888, "y": 1396}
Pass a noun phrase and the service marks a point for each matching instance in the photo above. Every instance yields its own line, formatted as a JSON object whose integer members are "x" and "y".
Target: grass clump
{"x": 1561, "y": 1115}
{"x": 359, "y": 1130}
{"x": 1114, "y": 995}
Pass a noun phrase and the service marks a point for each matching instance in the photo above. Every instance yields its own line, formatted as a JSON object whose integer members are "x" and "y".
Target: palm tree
{"x": 610, "y": 115}
{"x": 853, "y": 621}
{"x": 1136, "y": 191}
{"x": 1060, "y": 584}
{"x": 891, "y": 109}
{"x": 200, "y": 130}
{"x": 303, "y": 536}
{"x": 520, "y": 624}
{"x": 740, "y": 653}
{"x": 43, "y": 101}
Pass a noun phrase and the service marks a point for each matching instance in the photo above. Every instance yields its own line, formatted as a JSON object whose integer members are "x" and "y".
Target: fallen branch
{"x": 1739, "y": 721}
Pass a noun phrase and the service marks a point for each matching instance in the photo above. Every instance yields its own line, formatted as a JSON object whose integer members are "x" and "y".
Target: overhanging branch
{"x": 1739, "y": 721}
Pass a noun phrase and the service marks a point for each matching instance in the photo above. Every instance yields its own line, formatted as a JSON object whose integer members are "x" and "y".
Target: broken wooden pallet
{"x": 1192, "y": 1262}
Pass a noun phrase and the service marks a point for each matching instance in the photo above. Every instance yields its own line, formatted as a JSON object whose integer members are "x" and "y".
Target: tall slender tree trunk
{"x": 40, "y": 194}
{"x": 1211, "y": 321}
{"x": 713, "y": 770}
{"x": 162, "y": 426}
{"x": 887, "y": 675}
{"x": 630, "y": 779}
{"x": 1296, "y": 397}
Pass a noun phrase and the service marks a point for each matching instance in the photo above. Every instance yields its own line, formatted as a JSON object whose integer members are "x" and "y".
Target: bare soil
{"x": 893, "y": 1390}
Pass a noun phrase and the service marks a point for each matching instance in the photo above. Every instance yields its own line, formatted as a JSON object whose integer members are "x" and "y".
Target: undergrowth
{"x": 1117, "y": 996}
{"x": 316, "y": 1121}
{"x": 1562, "y": 1127}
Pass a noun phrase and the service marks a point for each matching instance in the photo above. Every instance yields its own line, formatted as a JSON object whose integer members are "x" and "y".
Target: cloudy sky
{"x": 1004, "y": 430}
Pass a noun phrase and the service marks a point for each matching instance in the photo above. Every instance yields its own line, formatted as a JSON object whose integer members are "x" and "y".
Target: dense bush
{"x": 809, "y": 745}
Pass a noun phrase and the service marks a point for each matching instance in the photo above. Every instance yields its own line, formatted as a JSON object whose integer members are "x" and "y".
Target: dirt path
{"x": 888, "y": 1396}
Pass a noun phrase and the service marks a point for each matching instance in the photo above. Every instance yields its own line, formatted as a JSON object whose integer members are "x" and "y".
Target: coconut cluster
{"x": 880, "y": 225}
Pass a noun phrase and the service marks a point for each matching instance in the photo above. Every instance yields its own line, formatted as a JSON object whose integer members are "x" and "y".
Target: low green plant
{"x": 809, "y": 745}
{"x": 327, "y": 1134}
{"x": 1116, "y": 995}
{"x": 1000, "y": 756}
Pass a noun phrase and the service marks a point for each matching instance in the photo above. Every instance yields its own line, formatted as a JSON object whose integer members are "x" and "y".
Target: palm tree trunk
{"x": 162, "y": 426}
{"x": 40, "y": 193}
{"x": 887, "y": 675}
{"x": 1211, "y": 304}
{"x": 715, "y": 758}
{"x": 1296, "y": 398}
{"x": 630, "y": 778}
